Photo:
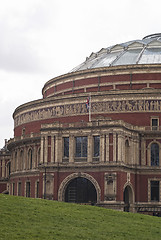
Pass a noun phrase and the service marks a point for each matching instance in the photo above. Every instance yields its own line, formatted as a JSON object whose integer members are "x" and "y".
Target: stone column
{"x": 107, "y": 148}
{"x": 120, "y": 143}
{"x": 123, "y": 149}
{"x": 136, "y": 156}
{"x": 114, "y": 147}
{"x": 58, "y": 149}
{"x": 46, "y": 150}
{"x": 18, "y": 160}
{"x": 34, "y": 157}
{"x": 3, "y": 168}
{"x": 159, "y": 157}
{"x": 12, "y": 162}
{"x": 52, "y": 149}
{"x": 15, "y": 161}
{"x": 42, "y": 150}
{"x": 102, "y": 148}
{"x": 143, "y": 151}
{"x": 137, "y": 152}
{"x": 25, "y": 159}
{"x": 71, "y": 149}
{"x": 90, "y": 149}
{"x": 132, "y": 154}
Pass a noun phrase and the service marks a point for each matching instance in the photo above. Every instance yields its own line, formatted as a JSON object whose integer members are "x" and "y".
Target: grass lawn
{"x": 27, "y": 218}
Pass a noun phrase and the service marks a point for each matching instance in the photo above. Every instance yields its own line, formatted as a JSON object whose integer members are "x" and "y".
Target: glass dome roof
{"x": 145, "y": 51}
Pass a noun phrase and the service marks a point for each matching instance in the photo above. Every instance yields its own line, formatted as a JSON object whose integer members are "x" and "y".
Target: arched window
{"x": 30, "y": 159}
{"x": 15, "y": 161}
{"x": 38, "y": 157}
{"x": 154, "y": 154}
{"x": 127, "y": 151}
{"x": 21, "y": 160}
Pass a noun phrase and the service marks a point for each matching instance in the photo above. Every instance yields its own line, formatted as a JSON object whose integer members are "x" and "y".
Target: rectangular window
{"x": 155, "y": 191}
{"x": 37, "y": 189}
{"x": 81, "y": 147}
{"x": 96, "y": 146}
{"x": 155, "y": 123}
{"x": 27, "y": 189}
{"x": 9, "y": 168}
{"x": 19, "y": 189}
{"x": 13, "y": 188}
{"x": 1, "y": 169}
{"x": 66, "y": 147}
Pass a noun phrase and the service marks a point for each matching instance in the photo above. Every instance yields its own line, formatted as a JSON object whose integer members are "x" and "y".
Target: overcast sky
{"x": 42, "y": 39}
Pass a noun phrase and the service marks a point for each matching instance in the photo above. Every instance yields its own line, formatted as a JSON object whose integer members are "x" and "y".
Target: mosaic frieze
{"x": 96, "y": 107}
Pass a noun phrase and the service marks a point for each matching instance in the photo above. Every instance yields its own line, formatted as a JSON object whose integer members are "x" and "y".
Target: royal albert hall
{"x": 95, "y": 136}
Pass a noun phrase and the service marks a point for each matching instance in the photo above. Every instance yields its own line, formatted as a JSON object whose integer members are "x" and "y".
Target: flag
{"x": 88, "y": 106}
{"x": 88, "y": 103}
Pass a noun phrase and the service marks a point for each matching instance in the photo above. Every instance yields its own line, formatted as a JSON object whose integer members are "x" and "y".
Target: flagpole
{"x": 90, "y": 107}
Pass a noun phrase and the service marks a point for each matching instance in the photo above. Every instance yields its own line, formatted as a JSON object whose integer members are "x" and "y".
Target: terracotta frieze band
{"x": 122, "y": 106}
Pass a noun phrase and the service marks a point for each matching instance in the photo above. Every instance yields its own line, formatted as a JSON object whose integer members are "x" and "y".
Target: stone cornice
{"x": 104, "y": 71}
{"x": 82, "y": 97}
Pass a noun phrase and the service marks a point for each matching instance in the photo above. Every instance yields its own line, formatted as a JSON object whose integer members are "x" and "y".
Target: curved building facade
{"x": 94, "y": 137}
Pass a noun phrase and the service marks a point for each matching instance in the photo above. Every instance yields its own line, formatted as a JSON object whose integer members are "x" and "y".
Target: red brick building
{"x": 5, "y": 156}
{"x": 95, "y": 135}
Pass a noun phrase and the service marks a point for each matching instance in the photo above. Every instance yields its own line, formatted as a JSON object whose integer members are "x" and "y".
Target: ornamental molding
{"x": 101, "y": 107}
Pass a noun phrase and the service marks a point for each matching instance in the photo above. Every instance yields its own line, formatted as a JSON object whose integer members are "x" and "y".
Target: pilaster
{"x": 107, "y": 148}
{"x": 52, "y": 149}
{"x": 71, "y": 148}
{"x": 102, "y": 148}
{"x": 58, "y": 149}
{"x": 46, "y": 150}
{"x": 42, "y": 150}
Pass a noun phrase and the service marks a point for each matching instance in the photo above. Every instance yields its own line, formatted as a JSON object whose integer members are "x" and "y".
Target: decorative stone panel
{"x": 48, "y": 185}
{"x": 110, "y": 186}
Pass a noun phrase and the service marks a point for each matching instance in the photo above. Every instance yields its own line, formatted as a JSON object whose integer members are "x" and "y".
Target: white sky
{"x": 42, "y": 39}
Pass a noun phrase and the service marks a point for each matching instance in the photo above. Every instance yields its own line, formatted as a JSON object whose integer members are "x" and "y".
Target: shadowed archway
{"x": 80, "y": 190}
{"x": 128, "y": 198}
{"x": 65, "y": 183}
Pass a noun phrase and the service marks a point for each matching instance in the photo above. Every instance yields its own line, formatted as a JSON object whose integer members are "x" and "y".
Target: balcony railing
{"x": 80, "y": 159}
{"x": 152, "y": 128}
{"x": 23, "y": 137}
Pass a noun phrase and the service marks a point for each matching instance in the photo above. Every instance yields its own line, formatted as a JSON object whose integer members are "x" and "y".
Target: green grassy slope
{"x": 26, "y": 218}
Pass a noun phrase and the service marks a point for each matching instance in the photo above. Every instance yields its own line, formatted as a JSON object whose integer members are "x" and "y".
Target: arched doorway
{"x": 128, "y": 199}
{"x": 80, "y": 190}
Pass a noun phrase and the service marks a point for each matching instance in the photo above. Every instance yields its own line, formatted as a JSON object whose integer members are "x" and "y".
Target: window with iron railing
{"x": 155, "y": 124}
{"x": 96, "y": 148}
{"x": 66, "y": 147}
{"x": 154, "y": 154}
{"x": 81, "y": 148}
{"x": 19, "y": 189}
{"x": 155, "y": 191}
{"x": 27, "y": 189}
